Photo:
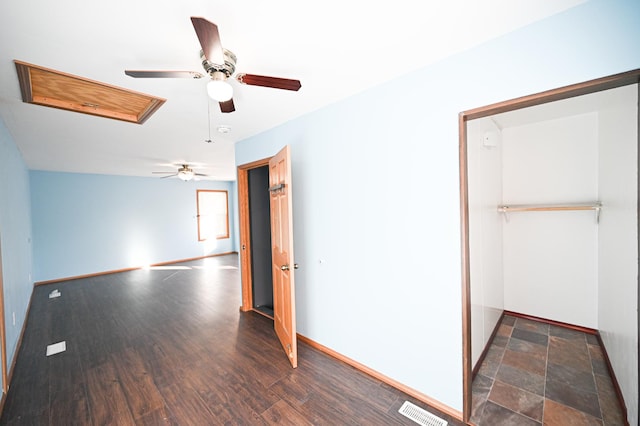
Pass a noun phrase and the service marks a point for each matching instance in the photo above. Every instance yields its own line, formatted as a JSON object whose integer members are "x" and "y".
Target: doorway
{"x": 469, "y": 256}
{"x": 260, "y": 239}
{"x": 255, "y": 237}
{"x": 281, "y": 251}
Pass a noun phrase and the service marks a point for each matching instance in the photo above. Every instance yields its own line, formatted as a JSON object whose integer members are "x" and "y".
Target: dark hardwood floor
{"x": 170, "y": 346}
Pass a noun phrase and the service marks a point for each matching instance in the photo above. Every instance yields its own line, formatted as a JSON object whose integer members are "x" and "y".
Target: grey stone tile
{"x": 504, "y": 330}
{"x": 564, "y": 393}
{"x": 611, "y": 409}
{"x": 571, "y": 394}
{"x": 592, "y": 339}
{"x": 530, "y": 336}
{"x": 520, "y": 345}
{"x": 531, "y": 362}
{"x": 500, "y": 341}
{"x": 569, "y": 352}
{"x": 521, "y": 378}
{"x": 604, "y": 384}
{"x": 481, "y": 385}
{"x": 598, "y": 364}
{"x": 578, "y": 379}
{"x": 508, "y": 320}
{"x": 518, "y": 400}
{"x": 535, "y": 326}
{"x": 493, "y": 415}
{"x": 566, "y": 333}
{"x": 556, "y": 414}
{"x": 477, "y": 409}
{"x": 491, "y": 362}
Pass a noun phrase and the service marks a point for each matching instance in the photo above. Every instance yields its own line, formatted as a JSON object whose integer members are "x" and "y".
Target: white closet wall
{"x": 618, "y": 240}
{"x": 484, "y": 147}
{"x": 551, "y": 258}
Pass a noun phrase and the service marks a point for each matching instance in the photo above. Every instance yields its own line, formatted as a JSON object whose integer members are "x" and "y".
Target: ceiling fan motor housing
{"x": 228, "y": 68}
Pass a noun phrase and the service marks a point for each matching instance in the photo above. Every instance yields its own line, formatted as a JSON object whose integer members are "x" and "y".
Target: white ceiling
{"x": 336, "y": 48}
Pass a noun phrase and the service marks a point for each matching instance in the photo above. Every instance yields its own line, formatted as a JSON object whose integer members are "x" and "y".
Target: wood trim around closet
{"x": 467, "y": 376}
{"x": 245, "y": 232}
{"x": 566, "y": 92}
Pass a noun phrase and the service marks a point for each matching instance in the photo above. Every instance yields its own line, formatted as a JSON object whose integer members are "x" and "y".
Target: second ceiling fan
{"x": 220, "y": 65}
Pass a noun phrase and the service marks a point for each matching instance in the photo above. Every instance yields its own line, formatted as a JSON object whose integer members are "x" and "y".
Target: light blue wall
{"x": 376, "y": 191}
{"x": 15, "y": 234}
{"x": 84, "y": 223}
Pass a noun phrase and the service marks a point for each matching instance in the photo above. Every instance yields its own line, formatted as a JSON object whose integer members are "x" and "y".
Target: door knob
{"x": 284, "y": 267}
{"x": 295, "y": 266}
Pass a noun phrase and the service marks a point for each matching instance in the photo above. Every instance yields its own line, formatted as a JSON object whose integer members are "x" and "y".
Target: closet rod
{"x": 597, "y": 206}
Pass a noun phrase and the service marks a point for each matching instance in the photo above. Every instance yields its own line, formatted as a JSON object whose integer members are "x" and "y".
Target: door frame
{"x": 245, "y": 231}
{"x": 591, "y": 86}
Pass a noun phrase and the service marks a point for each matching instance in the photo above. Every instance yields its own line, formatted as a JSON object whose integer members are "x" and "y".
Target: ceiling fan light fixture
{"x": 185, "y": 175}
{"x": 218, "y": 88}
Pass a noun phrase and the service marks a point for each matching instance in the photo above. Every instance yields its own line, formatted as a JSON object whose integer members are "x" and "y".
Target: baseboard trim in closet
{"x": 614, "y": 380}
{"x": 553, "y": 322}
{"x": 596, "y": 333}
{"x": 483, "y": 355}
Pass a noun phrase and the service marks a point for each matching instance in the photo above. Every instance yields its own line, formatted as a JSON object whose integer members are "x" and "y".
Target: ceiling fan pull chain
{"x": 209, "y": 120}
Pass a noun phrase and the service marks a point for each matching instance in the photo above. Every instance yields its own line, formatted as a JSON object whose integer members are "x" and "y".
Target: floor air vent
{"x": 420, "y": 416}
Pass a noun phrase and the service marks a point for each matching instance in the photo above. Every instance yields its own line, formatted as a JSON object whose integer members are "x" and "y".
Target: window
{"x": 213, "y": 214}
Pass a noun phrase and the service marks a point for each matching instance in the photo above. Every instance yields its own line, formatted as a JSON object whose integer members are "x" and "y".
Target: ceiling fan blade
{"x": 275, "y": 82}
{"x": 168, "y": 176}
{"x": 200, "y": 174}
{"x": 209, "y": 38}
{"x": 162, "y": 74}
{"x": 227, "y": 106}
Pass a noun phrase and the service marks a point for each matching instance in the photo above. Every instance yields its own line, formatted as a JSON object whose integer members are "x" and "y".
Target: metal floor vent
{"x": 420, "y": 416}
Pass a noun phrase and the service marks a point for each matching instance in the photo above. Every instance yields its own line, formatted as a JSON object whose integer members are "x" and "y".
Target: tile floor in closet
{"x": 536, "y": 373}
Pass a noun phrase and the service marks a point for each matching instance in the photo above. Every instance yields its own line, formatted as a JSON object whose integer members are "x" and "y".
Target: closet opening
{"x": 260, "y": 234}
{"x": 549, "y": 211}
{"x": 255, "y": 237}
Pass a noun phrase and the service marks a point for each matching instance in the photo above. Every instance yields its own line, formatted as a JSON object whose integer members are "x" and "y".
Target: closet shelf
{"x": 505, "y": 209}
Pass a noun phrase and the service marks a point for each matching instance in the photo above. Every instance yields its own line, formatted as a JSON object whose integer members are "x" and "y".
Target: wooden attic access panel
{"x": 42, "y": 86}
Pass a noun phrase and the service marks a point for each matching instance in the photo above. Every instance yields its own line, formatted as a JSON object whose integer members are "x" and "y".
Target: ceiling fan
{"x": 220, "y": 64}
{"x": 184, "y": 172}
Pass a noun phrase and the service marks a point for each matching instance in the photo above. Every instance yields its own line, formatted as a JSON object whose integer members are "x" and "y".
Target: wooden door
{"x": 282, "y": 262}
